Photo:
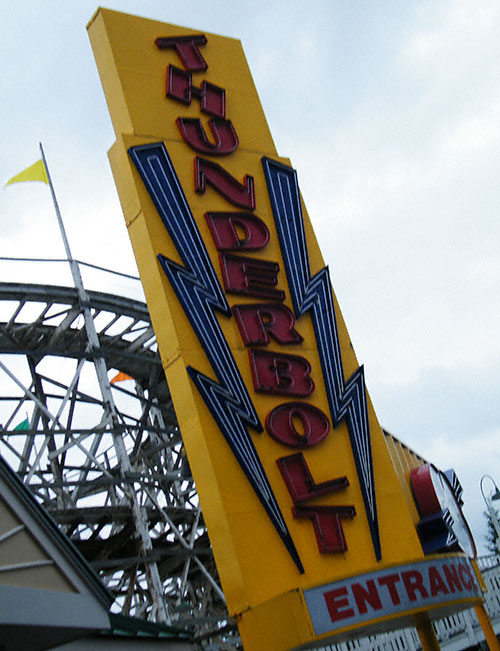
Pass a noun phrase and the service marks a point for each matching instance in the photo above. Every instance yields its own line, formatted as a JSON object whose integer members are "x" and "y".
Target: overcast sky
{"x": 389, "y": 112}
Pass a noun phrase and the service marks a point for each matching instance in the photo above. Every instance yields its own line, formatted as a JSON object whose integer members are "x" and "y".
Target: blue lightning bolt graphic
{"x": 199, "y": 292}
{"x": 347, "y": 400}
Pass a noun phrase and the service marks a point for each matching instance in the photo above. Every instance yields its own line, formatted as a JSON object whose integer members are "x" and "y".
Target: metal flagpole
{"x": 75, "y": 270}
{"x": 109, "y": 406}
{"x": 100, "y": 365}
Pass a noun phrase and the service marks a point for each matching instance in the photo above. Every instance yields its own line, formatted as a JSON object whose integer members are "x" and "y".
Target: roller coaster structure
{"x": 105, "y": 458}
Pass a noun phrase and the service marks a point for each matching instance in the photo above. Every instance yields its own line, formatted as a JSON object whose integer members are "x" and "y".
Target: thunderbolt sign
{"x": 347, "y": 400}
{"x": 200, "y": 294}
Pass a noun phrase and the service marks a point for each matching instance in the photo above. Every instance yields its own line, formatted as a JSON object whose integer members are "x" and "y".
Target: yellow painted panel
{"x": 174, "y": 335}
{"x": 263, "y": 628}
{"x": 132, "y": 71}
{"x": 258, "y": 575}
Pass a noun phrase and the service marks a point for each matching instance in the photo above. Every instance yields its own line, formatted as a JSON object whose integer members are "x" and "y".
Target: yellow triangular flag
{"x": 120, "y": 377}
{"x": 35, "y": 172}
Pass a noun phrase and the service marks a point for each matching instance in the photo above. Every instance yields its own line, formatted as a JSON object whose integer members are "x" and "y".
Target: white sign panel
{"x": 391, "y": 592}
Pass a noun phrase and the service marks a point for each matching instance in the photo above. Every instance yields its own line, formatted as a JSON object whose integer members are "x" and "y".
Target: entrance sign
{"x": 383, "y": 594}
{"x": 293, "y": 472}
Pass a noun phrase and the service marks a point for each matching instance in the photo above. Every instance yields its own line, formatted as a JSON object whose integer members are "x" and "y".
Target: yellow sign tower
{"x": 313, "y": 535}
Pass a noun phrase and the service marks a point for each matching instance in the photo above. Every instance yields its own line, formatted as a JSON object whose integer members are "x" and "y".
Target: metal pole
{"x": 74, "y": 266}
{"x": 110, "y": 410}
{"x": 82, "y": 294}
{"x": 426, "y": 634}
{"x": 487, "y": 628}
{"x": 491, "y": 510}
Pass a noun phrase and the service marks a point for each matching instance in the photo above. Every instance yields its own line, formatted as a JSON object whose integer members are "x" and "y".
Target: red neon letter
{"x": 241, "y": 195}
{"x": 390, "y": 582}
{"x": 300, "y": 483}
{"x": 226, "y": 228}
{"x": 335, "y": 600}
{"x": 467, "y": 579}
{"x": 187, "y": 50}
{"x": 327, "y": 525}
{"x": 180, "y": 87}
{"x": 193, "y": 134}
{"x": 451, "y": 575}
{"x": 250, "y": 276}
{"x": 414, "y": 582}
{"x": 258, "y": 322}
{"x": 281, "y": 373}
{"x": 436, "y": 582}
{"x": 282, "y": 421}
{"x": 366, "y": 596}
